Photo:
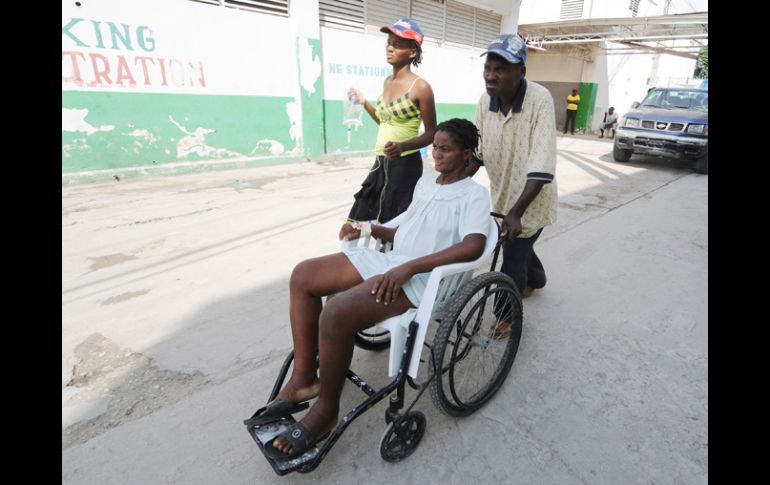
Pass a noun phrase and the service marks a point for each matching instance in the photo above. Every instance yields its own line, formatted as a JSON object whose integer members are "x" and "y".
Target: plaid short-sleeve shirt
{"x": 517, "y": 147}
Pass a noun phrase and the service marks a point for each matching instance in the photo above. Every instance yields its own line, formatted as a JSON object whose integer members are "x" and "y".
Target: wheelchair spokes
{"x": 473, "y": 354}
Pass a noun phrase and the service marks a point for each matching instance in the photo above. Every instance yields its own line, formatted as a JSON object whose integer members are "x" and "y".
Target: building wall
{"x": 175, "y": 84}
{"x": 455, "y": 74}
{"x": 537, "y": 11}
{"x": 559, "y": 74}
{"x": 164, "y": 87}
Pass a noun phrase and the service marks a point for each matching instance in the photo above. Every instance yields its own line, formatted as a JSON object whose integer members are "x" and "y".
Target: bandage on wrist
{"x": 364, "y": 227}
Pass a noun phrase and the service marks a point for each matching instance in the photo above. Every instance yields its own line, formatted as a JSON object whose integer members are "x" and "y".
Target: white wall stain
{"x": 75, "y": 120}
{"x": 294, "y": 112}
{"x": 144, "y": 134}
{"x": 195, "y": 143}
{"x": 273, "y": 146}
{"x": 67, "y": 148}
{"x": 309, "y": 67}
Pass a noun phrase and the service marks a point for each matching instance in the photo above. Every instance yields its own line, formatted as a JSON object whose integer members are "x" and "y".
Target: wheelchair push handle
{"x": 500, "y": 239}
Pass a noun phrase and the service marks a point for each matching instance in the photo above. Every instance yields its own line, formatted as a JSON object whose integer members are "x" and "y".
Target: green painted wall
{"x": 145, "y": 138}
{"x": 238, "y": 124}
{"x": 446, "y": 111}
{"x": 361, "y": 138}
{"x": 586, "y": 108}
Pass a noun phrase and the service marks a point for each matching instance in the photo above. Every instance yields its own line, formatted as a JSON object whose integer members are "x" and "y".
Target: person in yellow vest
{"x": 572, "y": 106}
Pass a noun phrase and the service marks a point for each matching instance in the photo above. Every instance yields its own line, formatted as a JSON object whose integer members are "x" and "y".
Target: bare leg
{"x": 342, "y": 317}
{"x": 311, "y": 280}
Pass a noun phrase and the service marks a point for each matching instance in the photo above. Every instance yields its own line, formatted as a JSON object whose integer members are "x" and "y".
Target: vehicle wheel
{"x": 702, "y": 164}
{"x": 374, "y": 338}
{"x": 397, "y": 444}
{"x": 621, "y": 155}
{"x": 471, "y": 362}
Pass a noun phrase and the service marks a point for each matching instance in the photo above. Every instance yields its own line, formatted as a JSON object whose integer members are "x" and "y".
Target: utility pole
{"x": 656, "y": 59}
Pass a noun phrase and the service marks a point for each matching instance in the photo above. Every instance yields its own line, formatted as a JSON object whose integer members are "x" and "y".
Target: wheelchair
{"x": 467, "y": 363}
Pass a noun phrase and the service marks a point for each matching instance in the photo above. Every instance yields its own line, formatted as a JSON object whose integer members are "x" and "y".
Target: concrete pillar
{"x": 304, "y": 20}
{"x": 510, "y": 22}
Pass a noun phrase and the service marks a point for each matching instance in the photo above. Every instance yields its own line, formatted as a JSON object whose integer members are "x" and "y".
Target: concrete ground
{"x": 175, "y": 323}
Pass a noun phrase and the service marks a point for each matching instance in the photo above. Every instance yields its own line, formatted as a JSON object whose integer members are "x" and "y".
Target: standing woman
{"x": 406, "y": 100}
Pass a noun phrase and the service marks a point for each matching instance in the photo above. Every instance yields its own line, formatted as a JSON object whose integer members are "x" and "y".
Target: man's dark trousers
{"x": 522, "y": 264}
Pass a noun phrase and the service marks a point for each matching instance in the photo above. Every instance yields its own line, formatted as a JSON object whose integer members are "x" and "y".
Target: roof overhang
{"x": 676, "y": 34}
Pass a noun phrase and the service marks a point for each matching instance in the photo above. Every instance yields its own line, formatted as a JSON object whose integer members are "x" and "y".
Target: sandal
{"x": 274, "y": 410}
{"x": 300, "y": 440}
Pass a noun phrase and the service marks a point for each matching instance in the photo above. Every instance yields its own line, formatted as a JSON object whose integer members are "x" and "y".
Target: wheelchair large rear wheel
{"x": 473, "y": 350}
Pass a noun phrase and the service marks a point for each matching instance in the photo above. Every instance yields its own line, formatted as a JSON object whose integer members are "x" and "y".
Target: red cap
{"x": 405, "y": 28}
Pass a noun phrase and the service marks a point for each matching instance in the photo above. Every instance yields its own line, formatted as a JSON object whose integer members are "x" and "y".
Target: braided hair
{"x": 463, "y": 131}
{"x": 418, "y": 57}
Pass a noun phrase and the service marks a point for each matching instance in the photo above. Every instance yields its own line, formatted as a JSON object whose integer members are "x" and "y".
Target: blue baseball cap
{"x": 405, "y": 28}
{"x": 510, "y": 47}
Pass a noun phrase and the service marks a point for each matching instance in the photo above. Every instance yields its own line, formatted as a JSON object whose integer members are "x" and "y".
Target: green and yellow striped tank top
{"x": 399, "y": 121}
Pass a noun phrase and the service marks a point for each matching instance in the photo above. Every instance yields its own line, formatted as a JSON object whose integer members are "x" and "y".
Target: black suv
{"x": 670, "y": 122}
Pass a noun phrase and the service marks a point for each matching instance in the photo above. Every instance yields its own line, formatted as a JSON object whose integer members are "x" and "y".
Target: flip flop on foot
{"x": 275, "y": 409}
{"x": 299, "y": 438}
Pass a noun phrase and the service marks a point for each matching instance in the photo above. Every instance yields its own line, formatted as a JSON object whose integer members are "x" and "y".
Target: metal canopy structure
{"x": 676, "y": 34}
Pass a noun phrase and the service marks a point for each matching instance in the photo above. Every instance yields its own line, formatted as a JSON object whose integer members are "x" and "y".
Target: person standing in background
{"x": 573, "y": 100}
{"x": 609, "y": 123}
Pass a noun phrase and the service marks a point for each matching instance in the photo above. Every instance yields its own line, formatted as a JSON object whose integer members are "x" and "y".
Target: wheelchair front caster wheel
{"x": 399, "y": 442}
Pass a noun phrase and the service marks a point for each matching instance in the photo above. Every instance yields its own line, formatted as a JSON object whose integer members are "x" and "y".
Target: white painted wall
{"x": 620, "y": 8}
{"x": 627, "y": 76}
{"x": 454, "y": 73}
{"x": 503, "y": 7}
{"x": 673, "y": 70}
{"x": 241, "y": 53}
{"x": 549, "y": 66}
{"x": 510, "y": 20}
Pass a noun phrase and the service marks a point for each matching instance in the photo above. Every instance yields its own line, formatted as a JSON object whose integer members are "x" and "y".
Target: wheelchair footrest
{"x": 263, "y": 433}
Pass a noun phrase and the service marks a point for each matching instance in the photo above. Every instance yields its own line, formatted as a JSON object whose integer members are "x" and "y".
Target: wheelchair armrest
{"x": 366, "y": 242}
{"x": 432, "y": 287}
{"x": 348, "y": 244}
{"x": 440, "y": 272}
{"x": 392, "y": 224}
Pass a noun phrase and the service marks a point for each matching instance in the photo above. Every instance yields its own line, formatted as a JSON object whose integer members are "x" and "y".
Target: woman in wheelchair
{"x": 445, "y": 223}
